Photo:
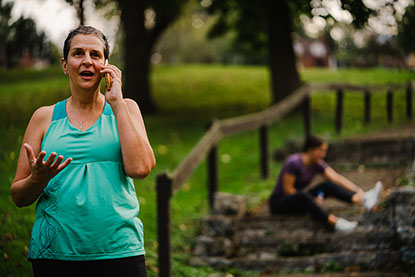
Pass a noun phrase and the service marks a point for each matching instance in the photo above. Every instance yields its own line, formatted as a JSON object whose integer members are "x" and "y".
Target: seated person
{"x": 298, "y": 171}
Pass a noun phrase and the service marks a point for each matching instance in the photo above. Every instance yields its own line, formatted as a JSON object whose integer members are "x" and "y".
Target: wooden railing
{"x": 169, "y": 183}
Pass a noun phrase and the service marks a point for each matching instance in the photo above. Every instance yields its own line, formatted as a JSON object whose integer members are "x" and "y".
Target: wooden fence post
{"x": 307, "y": 116}
{"x": 339, "y": 110}
{"x": 164, "y": 193}
{"x": 263, "y": 144}
{"x": 389, "y": 105}
{"x": 409, "y": 96}
{"x": 368, "y": 97}
{"x": 212, "y": 175}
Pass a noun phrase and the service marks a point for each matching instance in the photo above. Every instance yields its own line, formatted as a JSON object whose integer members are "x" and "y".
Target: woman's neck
{"x": 86, "y": 99}
{"x": 85, "y": 96}
{"x": 87, "y": 103}
{"x": 83, "y": 112}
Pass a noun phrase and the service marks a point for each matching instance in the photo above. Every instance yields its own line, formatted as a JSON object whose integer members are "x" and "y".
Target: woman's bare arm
{"x": 33, "y": 173}
{"x": 137, "y": 154}
{"x": 288, "y": 181}
{"x": 339, "y": 179}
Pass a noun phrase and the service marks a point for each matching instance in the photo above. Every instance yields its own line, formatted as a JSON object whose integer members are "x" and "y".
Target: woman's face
{"x": 85, "y": 59}
{"x": 319, "y": 153}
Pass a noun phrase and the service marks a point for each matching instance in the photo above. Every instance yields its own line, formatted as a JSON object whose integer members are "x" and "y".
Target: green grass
{"x": 188, "y": 97}
{"x": 211, "y": 91}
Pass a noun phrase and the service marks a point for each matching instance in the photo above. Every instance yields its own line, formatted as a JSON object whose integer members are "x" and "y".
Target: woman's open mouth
{"x": 86, "y": 74}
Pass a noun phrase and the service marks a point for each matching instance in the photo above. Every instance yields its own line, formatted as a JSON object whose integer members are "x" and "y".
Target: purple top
{"x": 303, "y": 175}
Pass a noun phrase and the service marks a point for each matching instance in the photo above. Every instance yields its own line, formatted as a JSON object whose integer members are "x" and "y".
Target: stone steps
{"x": 277, "y": 223}
{"x": 308, "y": 242}
{"x": 285, "y": 236}
{"x": 266, "y": 262}
{"x": 384, "y": 240}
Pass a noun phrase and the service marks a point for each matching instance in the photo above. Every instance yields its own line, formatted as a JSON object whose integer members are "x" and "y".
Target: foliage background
{"x": 189, "y": 97}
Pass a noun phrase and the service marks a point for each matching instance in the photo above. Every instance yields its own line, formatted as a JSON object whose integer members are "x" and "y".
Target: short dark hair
{"x": 312, "y": 142}
{"x": 85, "y": 30}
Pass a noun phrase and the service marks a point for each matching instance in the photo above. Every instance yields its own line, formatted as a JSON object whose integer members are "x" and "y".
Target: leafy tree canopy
{"x": 20, "y": 37}
{"x": 249, "y": 20}
{"x": 406, "y": 26}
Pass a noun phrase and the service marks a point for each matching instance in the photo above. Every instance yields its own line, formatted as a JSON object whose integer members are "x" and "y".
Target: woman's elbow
{"x": 17, "y": 200}
{"x": 139, "y": 173}
{"x": 20, "y": 204}
{"x": 142, "y": 170}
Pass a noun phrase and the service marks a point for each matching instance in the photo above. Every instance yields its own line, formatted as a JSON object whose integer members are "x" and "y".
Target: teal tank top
{"x": 89, "y": 210}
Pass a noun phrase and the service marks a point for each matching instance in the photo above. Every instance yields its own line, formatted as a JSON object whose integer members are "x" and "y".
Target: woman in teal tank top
{"x": 77, "y": 160}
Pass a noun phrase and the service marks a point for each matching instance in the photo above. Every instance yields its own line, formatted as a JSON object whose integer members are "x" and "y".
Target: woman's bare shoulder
{"x": 43, "y": 113}
{"x": 132, "y": 106}
{"x": 37, "y": 127}
{"x": 41, "y": 120}
{"x": 131, "y": 103}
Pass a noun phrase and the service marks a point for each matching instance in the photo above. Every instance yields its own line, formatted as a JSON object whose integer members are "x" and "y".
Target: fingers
{"x": 57, "y": 165}
{"x": 57, "y": 162}
{"x": 64, "y": 164}
{"x": 50, "y": 160}
{"x": 29, "y": 152}
{"x": 40, "y": 157}
{"x": 52, "y": 166}
{"x": 112, "y": 70}
{"x": 113, "y": 76}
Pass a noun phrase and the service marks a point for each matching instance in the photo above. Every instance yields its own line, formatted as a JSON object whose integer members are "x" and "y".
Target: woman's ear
{"x": 64, "y": 66}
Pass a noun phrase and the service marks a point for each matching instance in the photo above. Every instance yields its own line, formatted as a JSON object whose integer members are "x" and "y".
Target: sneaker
{"x": 371, "y": 196}
{"x": 345, "y": 226}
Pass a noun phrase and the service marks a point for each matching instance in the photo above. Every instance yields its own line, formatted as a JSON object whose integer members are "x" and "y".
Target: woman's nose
{"x": 87, "y": 60}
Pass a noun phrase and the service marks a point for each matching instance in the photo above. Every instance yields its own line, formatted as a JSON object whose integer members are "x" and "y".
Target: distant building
{"x": 313, "y": 53}
{"x": 410, "y": 61}
{"x": 25, "y": 61}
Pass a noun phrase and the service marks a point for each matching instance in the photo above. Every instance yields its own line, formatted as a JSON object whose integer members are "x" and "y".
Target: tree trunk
{"x": 282, "y": 61}
{"x": 137, "y": 52}
{"x": 9, "y": 56}
{"x": 79, "y": 6}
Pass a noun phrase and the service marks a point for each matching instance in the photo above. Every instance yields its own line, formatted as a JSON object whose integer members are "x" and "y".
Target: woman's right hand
{"x": 319, "y": 200}
{"x": 43, "y": 171}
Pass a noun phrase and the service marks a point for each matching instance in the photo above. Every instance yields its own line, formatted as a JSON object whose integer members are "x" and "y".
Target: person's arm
{"x": 33, "y": 173}
{"x": 288, "y": 181}
{"x": 137, "y": 154}
{"x": 339, "y": 179}
{"x": 288, "y": 187}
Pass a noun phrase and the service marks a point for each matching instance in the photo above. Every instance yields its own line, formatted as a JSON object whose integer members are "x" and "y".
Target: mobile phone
{"x": 108, "y": 78}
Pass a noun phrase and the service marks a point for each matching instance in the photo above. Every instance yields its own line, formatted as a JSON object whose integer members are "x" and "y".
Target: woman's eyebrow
{"x": 95, "y": 51}
{"x": 82, "y": 49}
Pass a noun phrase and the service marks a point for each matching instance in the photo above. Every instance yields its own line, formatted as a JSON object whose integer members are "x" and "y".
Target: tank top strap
{"x": 107, "y": 109}
{"x": 59, "y": 111}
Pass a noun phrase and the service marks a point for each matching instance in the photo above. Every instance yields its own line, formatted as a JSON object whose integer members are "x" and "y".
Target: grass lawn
{"x": 189, "y": 96}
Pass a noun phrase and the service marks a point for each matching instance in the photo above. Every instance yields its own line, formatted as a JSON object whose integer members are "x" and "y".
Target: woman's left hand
{"x": 359, "y": 192}
{"x": 114, "y": 95}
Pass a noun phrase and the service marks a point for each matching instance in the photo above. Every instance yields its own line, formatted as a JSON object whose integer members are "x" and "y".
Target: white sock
{"x": 345, "y": 226}
{"x": 371, "y": 196}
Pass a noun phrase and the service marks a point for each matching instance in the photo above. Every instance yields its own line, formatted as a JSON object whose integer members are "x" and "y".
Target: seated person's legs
{"x": 300, "y": 202}
{"x": 331, "y": 189}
